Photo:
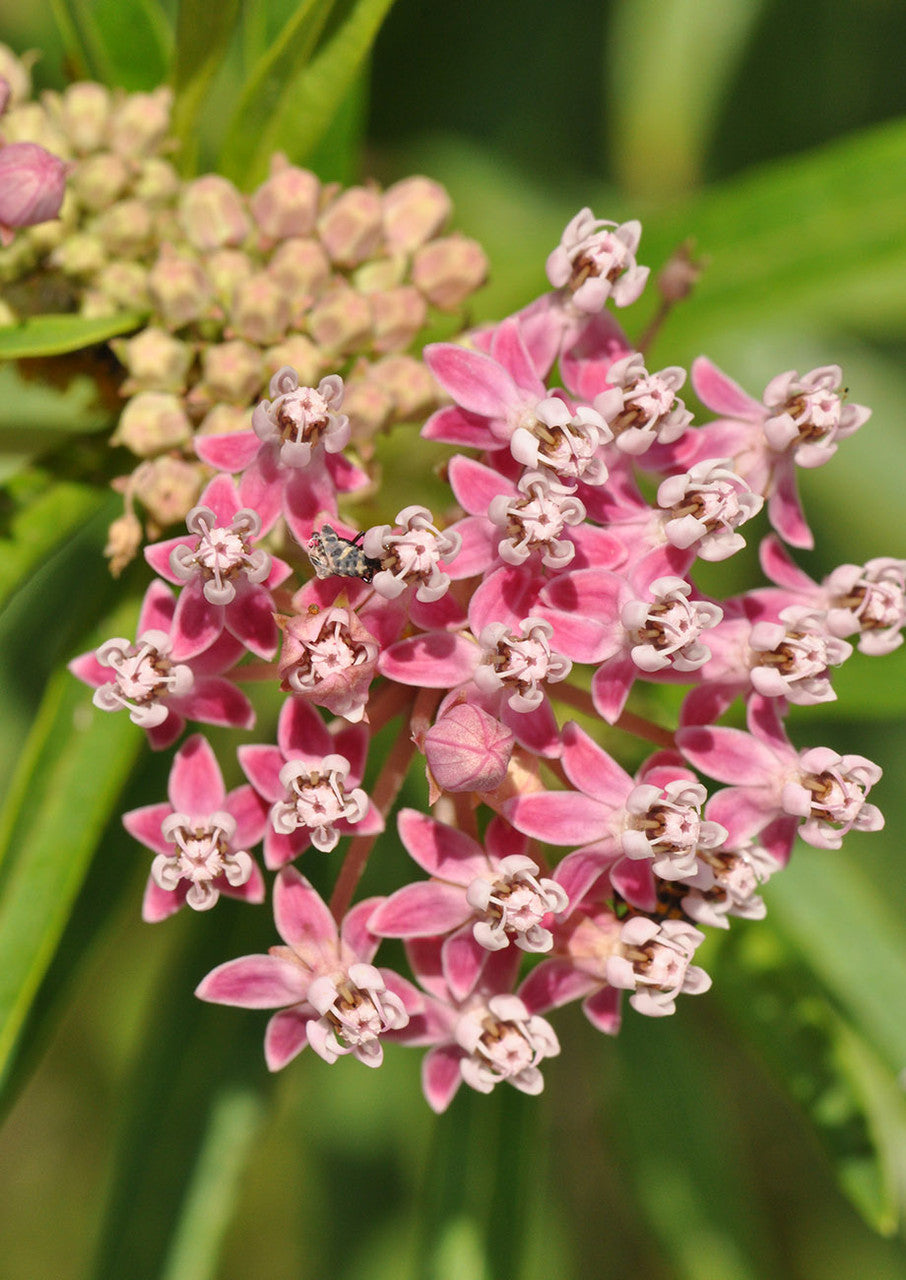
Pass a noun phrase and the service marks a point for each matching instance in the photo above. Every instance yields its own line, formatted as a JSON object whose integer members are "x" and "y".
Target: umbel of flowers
{"x": 543, "y": 871}
{"x": 233, "y": 287}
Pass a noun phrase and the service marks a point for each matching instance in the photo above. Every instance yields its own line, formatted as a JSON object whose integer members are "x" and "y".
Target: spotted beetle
{"x": 334, "y": 556}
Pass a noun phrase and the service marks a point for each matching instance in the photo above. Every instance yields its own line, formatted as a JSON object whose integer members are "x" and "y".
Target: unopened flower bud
{"x": 341, "y": 321}
{"x": 367, "y": 406}
{"x": 212, "y": 213}
{"x": 124, "y": 537}
{"x": 397, "y": 316}
{"x": 125, "y": 284}
{"x": 5, "y": 94}
{"x": 447, "y": 271}
{"x": 224, "y": 419}
{"x": 168, "y": 488}
{"x": 468, "y": 750}
{"x": 126, "y": 229}
{"x": 84, "y": 114}
{"x": 15, "y": 71}
{"x": 381, "y": 274}
{"x": 680, "y": 274}
{"x": 233, "y": 371}
{"x": 301, "y": 268}
{"x": 140, "y": 122}
{"x": 156, "y": 182}
{"x": 409, "y": 383}
{"x": 286, "y": 204}
{"x": 151, "y": 423}
{"x": 414, "y": 211}
{"x": 179, "y": 288}
{"x": 99, "y": 180}
{"x": 80, "y": 254}
{"x": 351, "y": 229}
{"x": 32, "y": 182}
{"x": 156, "y": 361}
{"x": 260, "y": 310}
{"x": 226, "y": 270}
{"x": 31, "y": 123}
{"x": 299, "y": 352}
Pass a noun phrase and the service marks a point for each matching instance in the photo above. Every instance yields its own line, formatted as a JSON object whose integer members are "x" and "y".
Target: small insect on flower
{"x": 334, "y": 556}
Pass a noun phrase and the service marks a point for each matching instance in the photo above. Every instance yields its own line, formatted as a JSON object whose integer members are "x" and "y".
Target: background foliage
{"x": 759, "y": 1132}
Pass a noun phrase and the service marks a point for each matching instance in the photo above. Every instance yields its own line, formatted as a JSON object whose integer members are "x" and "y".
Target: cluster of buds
{"x": 549, "y": 873}
{"x": 32, "y": 180}
{"x": 234, "y": 286}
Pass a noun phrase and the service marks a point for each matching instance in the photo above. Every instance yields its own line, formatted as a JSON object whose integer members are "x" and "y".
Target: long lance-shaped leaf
{"x": 54, "y": 335}
{"x": 204, "y": 32}
{"x": 124, "y": 43}
{"x": 310, "y": 98}
{"x": 36, "y": 530}
{"x": 71, "y": 772}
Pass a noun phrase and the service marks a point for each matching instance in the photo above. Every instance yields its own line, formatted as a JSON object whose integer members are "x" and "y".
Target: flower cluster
{"x": 545, "y": 872}
{"x": 234, "y": 287}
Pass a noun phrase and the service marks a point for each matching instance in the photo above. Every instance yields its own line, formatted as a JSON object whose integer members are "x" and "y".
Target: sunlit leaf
{"x": 203, "y": 36}
{"x": 52, "y": 517}
{"x": 55, "y": 335}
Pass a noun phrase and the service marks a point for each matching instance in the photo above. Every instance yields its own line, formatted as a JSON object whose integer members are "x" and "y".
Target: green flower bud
{"x": 179, "y": 288}
{"x": 140, "y": 122}
{"x": 125, "y": 284}
{"x": 99, "y": 180}
{"x": 84, "y": 115}
{"x": 397, "y": 316}
{"x": 301, "y": 354}
{"x": 410, "y": 385}
{"x": 233, "y": 371}
{"x": 126, "y": 229}
{"x": 168, "y": 489}
{"x": 155, "y": 361}
{"x": 80, "y": 254}
{"x": 261, "y": 310}
{"x": 227, "y": 269}
{"x": 156, "y": 182}
{"x": 414, "y": 211}
{"x": 151, "y": 423}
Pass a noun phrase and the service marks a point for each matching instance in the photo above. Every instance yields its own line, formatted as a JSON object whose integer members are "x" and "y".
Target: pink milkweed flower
{"x": 479, "y": 898}
{"x": 490, "y": 1037}
{"x": 328, "y": 993}
{"x": 653, "y": 962}
{"x": 159, "y": 693}
{"x": 412, "y": 556}
{"x": 725, "y": 884}
{"x": 519, "y": 664}
{"x": 291, "y": 461}
{"x": 310, "y": 779}
{"x": 775, "y": 783}
{"x": 654, "y": 820}
{"x": 227, "y": 579}
{"x": 595, "y": 260}
{"x": 706, "y": 505}
{"x": 32, "y": 186}
{"x": 868, "y": 600}
{"x": 329, "y": 657}
{"x": 799, "y": 422}
{"x": 641, "y": 408}
{"x": 583, "y": 944}
{"x": 201, "y": 837}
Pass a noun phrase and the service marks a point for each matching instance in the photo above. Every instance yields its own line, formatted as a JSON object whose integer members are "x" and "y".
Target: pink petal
{"x": 603, "y": 1010}
{"x": 157, "y": 555}
{"x": 300, "y": 913}
{"x": 159, "y": 904}
{"x": 507, "y": 595}
{"x": 635, "y": 882}
{"x": 559, "y": 817}
{"x": 475, "y": 484}
{"x": 196, "y": 783}
{"x": 728, "y": 755}
{"x": 158, "y": 607}
{"x": 441, "y": 850}
{"x": 721, "y": 394}
{"x": 464, "y": 961}
{"x": 743, "y": 812}
{"x": 777, "y": 565}
{"x": 536, "y": 730}
{"x": 475, "y": 381}
{"x": 302, "y": 732}
{"x": 233, "y": 451}
{"x": 222, "y": 496}
{"x": 216, "y": 701}
{"x": 785, "y": 510}
{"x": 591, "y": 769}
{"x": 254, "y": 982}
{"x": 478, "y": 549}
{"x": 433, "y": 660}
{"x": 250, "y": 618}
{"x": 585, "y": 364}
{"x": 453, "y": 425}
{"x": 421, "y": 910}
{"x": 553, "y": 984}
{"x": 144, "y": 825}
{"x": 261, "y": 488}
{"x": 254, "y": 890}
{"x": 509, "y": 349}
{"x": 356, "y": 931}
{"x": 579, "y": 871}
{"x": 286, "y": 1036}
{"x": 250, "y": 811}
{"x": 197, "y": 623}
{"x": 440, "y": 1076}
{"x": 261, "y": 764}
{"x": 611, "y": 685}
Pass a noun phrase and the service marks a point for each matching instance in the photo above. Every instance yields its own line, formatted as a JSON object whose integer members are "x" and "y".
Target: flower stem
{"x": 580, "y": 700}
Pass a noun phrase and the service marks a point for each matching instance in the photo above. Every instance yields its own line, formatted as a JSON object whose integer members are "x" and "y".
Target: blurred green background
{"x": 760, "y": 1131}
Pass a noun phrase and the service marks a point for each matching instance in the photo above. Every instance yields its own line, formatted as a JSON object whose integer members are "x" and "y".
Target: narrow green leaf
{"x": 72, "y": 40}
{"x": 123, "y": 43}
{"x": 286, "y": 57}
{"x": 54, "y": 335}
{"x": 37, "y": 528}
{"x": 71, "y": 772}
{"x": 310, "y": 98}
{"x": 234, "y": 1122}
{"x": 204, "y": 32}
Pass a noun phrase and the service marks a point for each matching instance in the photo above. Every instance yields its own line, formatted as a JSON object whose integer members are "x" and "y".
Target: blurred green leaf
{"x": 294, "y": 94}
{"x": 49, "y": 519}
{"x": 670, "y": 63}
{"x": 55, "y": 335}
{"x": 124, "y": 43}
{"x": 204, "y": 32}
{"x": 70, "y": 774}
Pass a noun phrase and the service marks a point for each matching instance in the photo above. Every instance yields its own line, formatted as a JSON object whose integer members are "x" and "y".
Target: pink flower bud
{"x": 351, "y": 229}
{"x": 414, "y": 211}
{"x": 16, "y": 72}
{"x": 212, "y": 213}
{"x": 260, "y": 311}
{"x": 179, "y": 288}
{"x": 99, "y": 180}
{"x": 301, "y": 268}
{"x": 125, "y": 285}
{"x": 468, "y": 750}
{"x": 156, "y": 361}
{"x": 233, "y": 371}
{"x": 151, "y": 423}
{"x": 124, "y": 537}
{"x": 409, "y": 383}
{"x": 32, "y": 184}
{"x": 168, "y": 488}
{"x": 84, "y": 111}
{"x": 447, "y": 271}
{"x": 5, "y": 94}
{"x": 367, "y": 407}
{"x": 80, "y": 254}
{"x": 299, "y": 352}
{"x": 287, "y": 203}
{"x": 341, "y": 322}
{"x": 140, "y": 122}
{"x": 398, "y": 315}
{"x": 157, "y": 181}
{"x": 126, "y": 229}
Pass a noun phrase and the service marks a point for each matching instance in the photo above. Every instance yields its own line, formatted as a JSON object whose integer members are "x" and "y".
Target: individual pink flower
{"x": 725, "y": 884}
{"x": 310, "y": 779}
{"x": 583, "y": 944}
{"x": 652, "y": 961}
{"x": 291, "y": 461}
{"x": 641, "y": 408}
{"x": 32, "y": 186}
{"x": 595, "y": 260}
{"x": 160, "y": 694}
{"x": 412, "y": 556}
{"x": 799, "y": 423}
{"x": 227, "y": 579}
{"x": 772, "y": 782}
{"x": 518, "y": 664}
{"x": 329, "y": 657}
{"x": 480, "y": 898}
{"x": 201, "y": 837}
{"x": 868, "y": 600}
{"x": 706, "y": 505}
{"x": 328, "y": 993}
{"x": 490, "y": 1037}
